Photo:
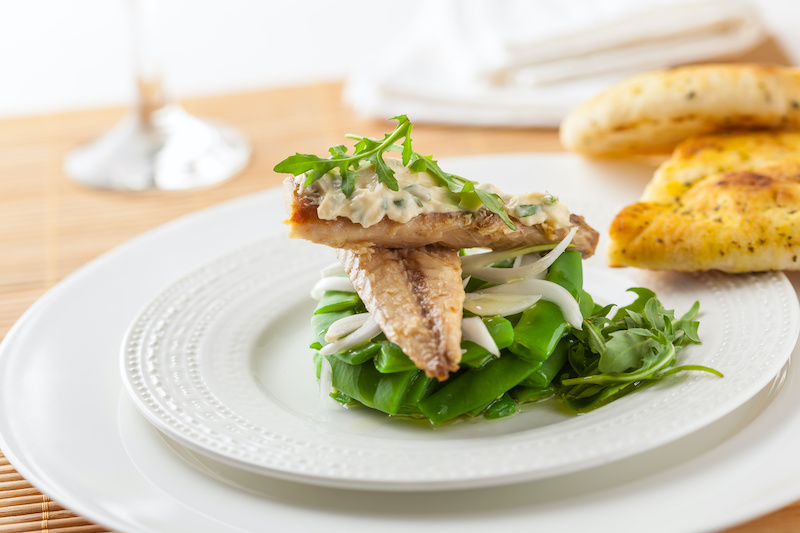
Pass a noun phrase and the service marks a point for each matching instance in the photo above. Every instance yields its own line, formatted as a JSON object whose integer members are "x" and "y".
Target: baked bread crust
{"x": 651, "y": 113}
{"x": 697, "y": 157}
{"x": 734, "y": 221}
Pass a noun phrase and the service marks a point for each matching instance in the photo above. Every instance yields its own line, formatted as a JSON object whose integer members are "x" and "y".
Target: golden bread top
{"x": 697, "y": 157}
{"x": 652, "y": 112}
{"x": 740, "y": 220}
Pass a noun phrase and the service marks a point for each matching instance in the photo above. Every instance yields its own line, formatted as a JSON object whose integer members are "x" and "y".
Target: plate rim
{"x": 778, "y": 282}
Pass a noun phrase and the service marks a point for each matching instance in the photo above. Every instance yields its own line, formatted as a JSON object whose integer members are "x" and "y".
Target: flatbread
{"x": 697, "y": 157}
{"x": 742, "y": 220}
{"x": 651, "y": 113}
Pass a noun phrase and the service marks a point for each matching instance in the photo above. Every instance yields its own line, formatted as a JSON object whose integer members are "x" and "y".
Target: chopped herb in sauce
{"x": 523, "y": 211}
{"x": 371, "y": 151}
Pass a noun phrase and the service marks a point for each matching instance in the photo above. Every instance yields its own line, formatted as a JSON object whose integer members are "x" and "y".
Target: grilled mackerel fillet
{"x": 463, "y": 229}
{"x": 416, "y": 296}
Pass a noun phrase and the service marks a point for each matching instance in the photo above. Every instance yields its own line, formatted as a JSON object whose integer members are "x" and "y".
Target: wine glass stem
{"x": 146, "y": 46}
{"x": 151, "y": 99}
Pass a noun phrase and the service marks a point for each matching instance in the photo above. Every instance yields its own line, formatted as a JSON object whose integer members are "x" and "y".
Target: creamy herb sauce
{"x": 418, "y": 193}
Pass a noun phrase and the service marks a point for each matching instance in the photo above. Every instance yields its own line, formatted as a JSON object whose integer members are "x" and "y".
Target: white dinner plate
{"x": 220, "y": 362}
{"x": 69, "y": 427}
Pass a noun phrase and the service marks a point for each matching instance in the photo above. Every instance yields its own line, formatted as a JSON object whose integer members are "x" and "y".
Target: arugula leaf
{"x": 628, "y": 350}
{"x": 495, "y": 205}
{"x": 612, "y": 357}
{"x": 371, "y": 151}
{"x": 643, "y": 295}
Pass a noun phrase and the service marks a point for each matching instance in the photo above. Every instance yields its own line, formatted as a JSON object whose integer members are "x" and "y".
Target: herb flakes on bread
{"x": 650, "y": 113}
{"x": 728, "y": 199}
{"x": 738, "y": 211}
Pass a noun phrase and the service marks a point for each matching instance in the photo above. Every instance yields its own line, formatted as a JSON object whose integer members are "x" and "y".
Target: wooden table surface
{"x": 49, "y": 227}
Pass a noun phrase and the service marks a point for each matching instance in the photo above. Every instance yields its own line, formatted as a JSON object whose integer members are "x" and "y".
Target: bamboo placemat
{"x": 49, "y": 227}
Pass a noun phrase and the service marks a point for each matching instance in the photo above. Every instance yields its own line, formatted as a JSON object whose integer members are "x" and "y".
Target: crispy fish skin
{"x": 465, "y": 229}
{"x": 416, "y": 296}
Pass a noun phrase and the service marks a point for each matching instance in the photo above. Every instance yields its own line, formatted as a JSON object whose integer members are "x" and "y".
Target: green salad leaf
{"x": 613, "y": 354}
{"x": 371, "y": 151}
{"x": 612, "y": 357}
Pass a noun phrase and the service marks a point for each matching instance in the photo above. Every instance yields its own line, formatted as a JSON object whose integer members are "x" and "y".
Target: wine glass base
{"x": 173, "y": 151}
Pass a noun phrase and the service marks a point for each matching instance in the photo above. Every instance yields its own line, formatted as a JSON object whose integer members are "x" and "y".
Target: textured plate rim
{"x": 506, "y": 443}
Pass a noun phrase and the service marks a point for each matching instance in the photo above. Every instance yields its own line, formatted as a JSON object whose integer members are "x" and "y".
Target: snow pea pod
{"x": 475, "y": 387}
{"x": 320, "y": 324}
{"x": 524, "y": 394}
{"x": 360, "y": 354}
{"x": 421, "y": 386}
{"x": 502, "y": 333}
{"x": 384, "y": 392}
{"x": 538, "y": 331}
{"x": 331, "y": 307}
{"x": 337, "y": 301}
{"x": 542, "y": 325}
{"x": 503, "y": 406}
{"x": 391, "y": 359}
{"x": 550, "y": 368}
{"x": 567, "y": 271}
{"x": 481, "y": 408}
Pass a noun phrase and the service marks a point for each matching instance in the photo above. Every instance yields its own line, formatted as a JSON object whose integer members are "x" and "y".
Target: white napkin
{"x": 528, "y": 62}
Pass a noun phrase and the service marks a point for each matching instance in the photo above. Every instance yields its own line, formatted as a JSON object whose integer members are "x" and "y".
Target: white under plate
{"x": 220, "y": 362}
{"x": 68, "y": 425}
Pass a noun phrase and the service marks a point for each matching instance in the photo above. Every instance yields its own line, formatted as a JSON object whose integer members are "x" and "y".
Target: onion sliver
{"x": 490, "y": 258}
{"x": 365, "y": 333}
{"x": 345, "y": 326}
{"x": 549, "y": 291}
{"x": 505, "y": 275}
{"x": 334, "y": 269}
{"x": 473, "y": 329}
{"x": 489, "y": 304}
{"x": 336, "y": 283}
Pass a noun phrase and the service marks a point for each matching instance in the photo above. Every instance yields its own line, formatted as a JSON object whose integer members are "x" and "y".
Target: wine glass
{"x": 157, "y": 145}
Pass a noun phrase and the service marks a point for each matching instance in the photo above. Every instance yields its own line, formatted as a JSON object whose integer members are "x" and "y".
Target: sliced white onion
{"x": 334, "y": 269}
{"x": 552, "y": 292}
{"x": 365, "y": 333}
{"x": 473, "y": 329}
{"x": 336, "y": 283}
{"x": 553, "y": 254}
{"x": 527, "y": 259}
{"x": 505, "y": 275}
{"x": 488, "y": 304}
{"x": 465, "y": 281}
{"x": 491, "y": 257}
{"x": 345, "y": 326}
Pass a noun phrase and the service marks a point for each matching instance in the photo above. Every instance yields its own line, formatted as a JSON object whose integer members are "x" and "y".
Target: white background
{"x": 70, "y": 54}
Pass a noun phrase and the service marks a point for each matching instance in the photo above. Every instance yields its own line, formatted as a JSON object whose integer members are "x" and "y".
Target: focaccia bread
{"x": 697, "y": 157}
{"x": 733, "y": 221}
{"x": 651, "y": 113}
